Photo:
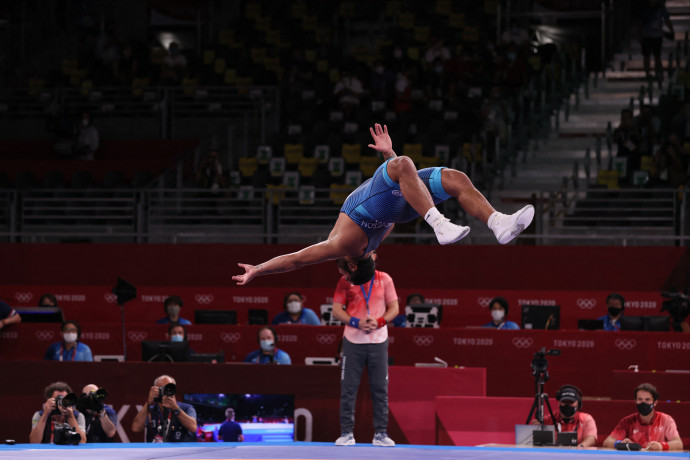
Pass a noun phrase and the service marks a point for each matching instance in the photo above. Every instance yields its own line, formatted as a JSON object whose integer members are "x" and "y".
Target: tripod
{"x": 540, "y": 377}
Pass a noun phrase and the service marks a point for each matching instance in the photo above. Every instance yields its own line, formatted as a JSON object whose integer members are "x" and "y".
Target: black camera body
{"x": 168, "y": 390}
{"x": 92, "y": 402}
{"x": 66, "y": 435}
{"x": 539, "y": 363}
{"x": 69, "y": 400}
{"x": 678, "y": 305}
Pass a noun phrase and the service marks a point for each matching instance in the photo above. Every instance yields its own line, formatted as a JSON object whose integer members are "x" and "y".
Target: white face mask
{"x": 177, "y": 338}
{"x": 497, "y": 315}
{"x": 266, "y": 345}
{"x": 294, "y": 307}
{"x": 70, "y": 337}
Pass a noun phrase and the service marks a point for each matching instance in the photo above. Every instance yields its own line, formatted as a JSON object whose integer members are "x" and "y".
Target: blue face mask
{"x": 177, "y": 338}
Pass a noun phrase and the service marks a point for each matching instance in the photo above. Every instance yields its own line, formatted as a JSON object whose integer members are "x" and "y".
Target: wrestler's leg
{"x": 403, "y": 171}
{"x": 505, "y": 227}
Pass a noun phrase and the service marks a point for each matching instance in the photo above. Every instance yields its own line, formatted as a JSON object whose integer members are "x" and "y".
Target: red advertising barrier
{"x": 469, "y": 421}
{"x": 316, "y": 390}
{"x": 466, "y": 307}
{"x": 586, "y": 360}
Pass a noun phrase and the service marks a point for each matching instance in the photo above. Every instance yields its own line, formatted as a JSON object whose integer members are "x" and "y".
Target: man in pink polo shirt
{"x": 651, "y": 429}
{"x": 571, "y": 418}
{"x": 365, "y": 310}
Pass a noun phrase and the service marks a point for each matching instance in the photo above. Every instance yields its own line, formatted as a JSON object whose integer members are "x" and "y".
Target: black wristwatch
{"x": 176, "y": 412}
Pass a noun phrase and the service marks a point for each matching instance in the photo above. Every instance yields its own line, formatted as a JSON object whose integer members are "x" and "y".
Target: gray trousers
{"x": 355, "y": 356}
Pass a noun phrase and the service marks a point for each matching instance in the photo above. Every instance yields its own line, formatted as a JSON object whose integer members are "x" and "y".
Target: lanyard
{"x": 74, "y": 351}
{"x": 368, "y": 296}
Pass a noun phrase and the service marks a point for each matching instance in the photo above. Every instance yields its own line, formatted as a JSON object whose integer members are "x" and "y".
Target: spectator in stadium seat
{"x": 162, "y": 418}
{"x": 70, "y": 348}
{"x": 87, "y": 140}
{"x": 48, "y": 300}
{"x": 348, "y": 91}
{"x": 615, "y": 304}
{"x": 50, "y": 417}
{"x": 8, "y": 315}
{"x": 268, "y": 352}
{"x": 230, "y": 430}
{"x": 651, "y": 429}
{"x": 629, "y": 140}
{"x": 499, "y": 312}
{"x": 294, "y": 312}
{"x": 172, "y": 307}
{"x": 570, "y": 417}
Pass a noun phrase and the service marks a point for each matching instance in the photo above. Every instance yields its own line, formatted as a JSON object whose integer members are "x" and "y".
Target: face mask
{"x": 497, "y": 315}
{"x": 294, "y": 307}
{"x": 177, "y": 338}
{"x": 173, "y": 310}
{"x": 70, "y": 337}
{"x": 613, "y": 311}
{"x": 567, "y": 410}
{"x": 266, "y": 345}
{"x": 645, "y": 409}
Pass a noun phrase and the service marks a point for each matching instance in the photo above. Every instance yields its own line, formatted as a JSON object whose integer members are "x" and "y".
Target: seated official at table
{"x": 651, "y": 429}
{"x": 612, "y": 319}
{"x": 294, "y": 312}
{"x": 268, "y": 352}
{"x": 70, "y": 348}
{"x": 499, "y": 312}
{"x": 570, "y": 417}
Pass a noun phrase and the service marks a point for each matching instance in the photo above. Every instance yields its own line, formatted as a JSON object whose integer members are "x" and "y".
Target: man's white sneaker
{"x": 507, "y": 227}
{"x": 447, "y": 232}
{"x": 347, "y": 439}
{"x": 382, "y": 439}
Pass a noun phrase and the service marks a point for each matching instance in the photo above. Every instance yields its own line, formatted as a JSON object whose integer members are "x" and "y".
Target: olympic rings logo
{"x": 625, "y": 344}
{"x": 204, "y": 299}
{"x": 230, "y": 337}
{"x": 137, "y": 336}
{"x": 110, "y": 297}
{"x": 23, "y": 297}
{"x": 522, "y": 342}
{"x": 326, "y": 339}
{"x": 423, "y": 340}
{"x": 586, "y": 304}
{"x": 484, "y": 301}
{"x": 45, "y": 336}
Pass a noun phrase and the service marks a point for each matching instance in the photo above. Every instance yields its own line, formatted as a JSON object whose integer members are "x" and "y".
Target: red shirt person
{"x": 651, "y": 429}
{"x": 571, "y": 418}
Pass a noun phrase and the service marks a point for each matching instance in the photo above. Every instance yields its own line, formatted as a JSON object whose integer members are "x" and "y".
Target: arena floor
{"x": 307, "y": 450}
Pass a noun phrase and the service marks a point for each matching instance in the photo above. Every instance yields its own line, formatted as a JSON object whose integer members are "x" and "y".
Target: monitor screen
{"x": 631, "y": 323}
{"x": 215, "y": 317}
{"x": 40, "y": 314}
{"x": 658, "y": 323}
{"x": 541, "y": 316}
{"x": 154, "y": 350}
{"x": 258, "y": 316}
{"x": 207, "y": 357}
{"x": 423, "y": 315}
{"x": 262, "y": 417}
{"x": 590, "y": 324}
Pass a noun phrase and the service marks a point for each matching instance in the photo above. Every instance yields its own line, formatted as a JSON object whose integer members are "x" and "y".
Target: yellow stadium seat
{"x": 467, "y": 151}
{"x": 307, "y": 166}
{"x": 368, "y": 165}
{"x": 428, "y": 162}
{"x": 609, "y": 178}
{"x": 414, "y": 151}
{"x": 339, "y": 193}
{"x": 352, "y": 153}
{"x": 293, "y": 153}
{"x": 248, "y": 166}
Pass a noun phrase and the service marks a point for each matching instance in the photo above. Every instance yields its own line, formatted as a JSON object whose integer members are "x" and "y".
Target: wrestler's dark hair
{"x": 647, "y": 387}
{"x": 501, "y": 301}
{"x": 363, "y": 274}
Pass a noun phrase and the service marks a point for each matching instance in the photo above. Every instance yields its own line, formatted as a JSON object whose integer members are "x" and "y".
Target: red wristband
{"x": 664, "y": 445}
{"x": 381, "y": 322}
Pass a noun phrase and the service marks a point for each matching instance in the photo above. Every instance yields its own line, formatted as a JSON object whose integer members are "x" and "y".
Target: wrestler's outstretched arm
{"x": 382, "y": 141}
{"x": 319, "y": 252}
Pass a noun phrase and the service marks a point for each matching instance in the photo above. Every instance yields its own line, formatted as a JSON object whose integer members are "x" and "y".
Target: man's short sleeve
{"x": 5, "y": 310}
{"x": 620, "y": 431}
{"x": 311, "y": 317}
{"x": 389, "y": 288}
{"x": 111, "y": 414}
{"x": 670, "y": 428}
{"x": 81, "y": 421}
{"x": 341, "y": 290}
{"x": 189, "y": 410}
{"x": 589, "y": 426}
{"x": 35, "y": 419}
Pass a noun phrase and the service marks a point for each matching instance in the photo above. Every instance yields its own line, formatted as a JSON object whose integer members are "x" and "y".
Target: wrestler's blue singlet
{"x": 378, "y": 202}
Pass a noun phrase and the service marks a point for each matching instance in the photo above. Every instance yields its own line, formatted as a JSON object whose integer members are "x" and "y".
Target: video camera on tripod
{"x": 540, "y": 364}
{"x": 541, "y": 374}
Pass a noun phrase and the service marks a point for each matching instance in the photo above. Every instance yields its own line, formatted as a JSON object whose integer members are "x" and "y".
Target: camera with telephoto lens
{"x": 677, "y": 306}
{"x": 92, "y": 402}
{"x": 168, "y": 390}
{"x": 66, "y": 435}
{"x": 69, "y": 400}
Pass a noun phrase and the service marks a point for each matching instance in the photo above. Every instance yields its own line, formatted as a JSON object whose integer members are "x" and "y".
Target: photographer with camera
{"x": 101, "y": 419}
{"x": 164, "y": 419}
{"x": 58, "y": 422}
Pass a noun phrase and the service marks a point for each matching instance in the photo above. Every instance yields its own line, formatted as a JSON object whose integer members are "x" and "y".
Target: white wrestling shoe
{"x": 507, "y": 227}
{"x": 447, "y": 232}
{"x": 383, "y": 440}
{"x": 347, "y": 439}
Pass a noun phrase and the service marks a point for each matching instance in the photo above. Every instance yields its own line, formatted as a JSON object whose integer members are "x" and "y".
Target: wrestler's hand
{"x": 250, "y": 271}
{"x": 382, "y": 141}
